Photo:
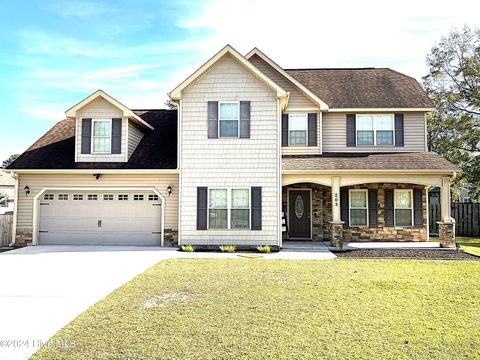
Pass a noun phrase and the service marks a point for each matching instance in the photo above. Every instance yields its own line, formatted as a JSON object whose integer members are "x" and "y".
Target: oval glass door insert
{"x": 299, "y": 207}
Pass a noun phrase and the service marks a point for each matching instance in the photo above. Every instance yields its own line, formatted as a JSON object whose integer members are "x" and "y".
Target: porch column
{"x": 446, "y": 227}
{"x": 336, "y": 225}
{"x": 336, "y": 199}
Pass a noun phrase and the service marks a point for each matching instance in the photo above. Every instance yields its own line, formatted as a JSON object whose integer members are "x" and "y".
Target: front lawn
{"x": 255, "y": 308}
{"x": 470, "y": 245}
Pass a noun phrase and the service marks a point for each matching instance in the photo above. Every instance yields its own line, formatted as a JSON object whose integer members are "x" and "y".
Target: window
{"x": 138, "y": 197}
{"x": 123, "y": 197}
{"x": 62, "y": 196}
{"x": 101, "y": 136}
{"x": 358, "y": 207}
{"x": 240, "y": 212}
{"x": 297, "y": 129}
{"x": 108, "y": 197}
{"x": 403, "y": 208}
{"x": 217, "y": 209}
{"x": 153, "y": 197}
{"x": 77, "y": 196}
{"x": 48, "y": 197}
{"x": 374, "y": 129}
{"x": 92, "y": 197}
{"x": 229, "y": 209}
{"x": 228, "y": 116}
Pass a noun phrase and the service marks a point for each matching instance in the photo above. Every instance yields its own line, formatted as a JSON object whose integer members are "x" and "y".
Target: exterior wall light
{"x": 169, "y": 190}
{"x": 27, "y": 190}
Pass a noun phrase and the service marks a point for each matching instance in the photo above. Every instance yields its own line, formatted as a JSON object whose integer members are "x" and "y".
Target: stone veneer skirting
{"x": 322, "y": 215}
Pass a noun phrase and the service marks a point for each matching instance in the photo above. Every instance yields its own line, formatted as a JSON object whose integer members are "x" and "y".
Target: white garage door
{"x": 100, "y": 218}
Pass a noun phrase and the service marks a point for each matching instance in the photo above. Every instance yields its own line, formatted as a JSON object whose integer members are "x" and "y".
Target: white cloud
{"x": 334, "y": 33}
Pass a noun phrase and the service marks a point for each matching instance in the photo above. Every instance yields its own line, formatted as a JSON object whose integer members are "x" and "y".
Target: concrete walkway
{"x": 43, "y": 288}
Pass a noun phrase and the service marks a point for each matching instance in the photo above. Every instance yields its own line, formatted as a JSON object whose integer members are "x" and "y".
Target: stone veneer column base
{"x": 336, "y": 232}
{"x": 446, "y": 234}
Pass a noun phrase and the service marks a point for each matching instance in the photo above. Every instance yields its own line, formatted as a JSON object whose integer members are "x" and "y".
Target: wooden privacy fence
{"x": 6, "y": 226}
{"x": 466, "y": 215}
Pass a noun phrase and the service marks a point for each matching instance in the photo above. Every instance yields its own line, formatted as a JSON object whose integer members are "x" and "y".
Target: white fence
{"x": 6, "y": 226}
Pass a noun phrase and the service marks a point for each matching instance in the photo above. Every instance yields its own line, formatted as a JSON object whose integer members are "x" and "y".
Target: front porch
{"x": 364, "y": 210}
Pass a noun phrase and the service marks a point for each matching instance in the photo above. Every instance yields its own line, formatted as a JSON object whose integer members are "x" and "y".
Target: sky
{"x": 55, "y": 53}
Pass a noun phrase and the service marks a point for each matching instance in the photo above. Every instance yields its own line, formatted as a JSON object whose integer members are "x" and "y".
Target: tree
{"x": 454, "y": 85}
{"x": 3, "y": 198}
{"x": 170, "y": 104}
{"x": 10, "y": 160}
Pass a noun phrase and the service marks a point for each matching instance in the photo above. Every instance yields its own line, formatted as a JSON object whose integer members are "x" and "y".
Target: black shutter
{"x": 116, "y": 136}
{"x": 418, "y": 207}
{"x": 373, "y": 208}
{"x": 344, "y": 211}
{"x": 351, "y": 126}
{"x": 256, "y": 208}
{"x": 284, "y": 129}
{"x": 312, "y": 129}
{"x": 388, "y": 213}
{"x": 245, "y": 119}
{"x": 202, "y": 208}
{"x": 399, "y": 132}
{"x": 86, "y": 136}
{"x": 213, "y": 119}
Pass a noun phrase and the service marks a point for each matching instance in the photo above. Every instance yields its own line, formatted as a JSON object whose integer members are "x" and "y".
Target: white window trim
{"x": 238, "y": 119}
{"x": 92, "y": 136}
{"x": 357, "y": 208}
{"x": 229, "y": 207}
{"x": 306, "y": 130}
{"x": 374, "y": 130}
{"x": 395, "y": 208}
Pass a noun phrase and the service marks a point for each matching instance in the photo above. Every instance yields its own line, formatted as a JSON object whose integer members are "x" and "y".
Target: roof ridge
{"x": 336, "y": 68}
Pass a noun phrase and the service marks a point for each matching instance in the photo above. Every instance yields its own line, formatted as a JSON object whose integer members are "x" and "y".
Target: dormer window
{"x": 101, "y": 136}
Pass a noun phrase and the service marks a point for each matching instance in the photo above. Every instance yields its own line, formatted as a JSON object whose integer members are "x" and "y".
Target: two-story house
{"x": 340, "y": 153}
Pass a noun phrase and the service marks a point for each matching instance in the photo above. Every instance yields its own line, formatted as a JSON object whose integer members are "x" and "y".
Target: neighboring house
{"x": 7, "y": 192}
{"x": 342, "y": 152}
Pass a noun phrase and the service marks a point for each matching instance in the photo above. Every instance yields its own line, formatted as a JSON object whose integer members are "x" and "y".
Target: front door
{"x": 299, "y": 214}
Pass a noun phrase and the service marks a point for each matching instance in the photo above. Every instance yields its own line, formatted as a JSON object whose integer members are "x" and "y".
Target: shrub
{"x": 263, "y": 249}
{"x": 228, "y": 248}
{"x": 187, "y": 248}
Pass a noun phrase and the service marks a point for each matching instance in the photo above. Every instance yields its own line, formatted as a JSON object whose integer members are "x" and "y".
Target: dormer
{"x": 105, "y": 129}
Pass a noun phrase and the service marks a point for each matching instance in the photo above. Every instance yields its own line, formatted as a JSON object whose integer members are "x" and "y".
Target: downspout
{"x": 15, "y": 206}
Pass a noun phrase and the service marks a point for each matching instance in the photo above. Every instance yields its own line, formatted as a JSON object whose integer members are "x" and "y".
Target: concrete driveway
{"x": 43, "y": 288}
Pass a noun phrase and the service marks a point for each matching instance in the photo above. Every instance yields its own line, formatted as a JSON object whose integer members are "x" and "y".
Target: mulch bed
{"x": 419, "y": 254}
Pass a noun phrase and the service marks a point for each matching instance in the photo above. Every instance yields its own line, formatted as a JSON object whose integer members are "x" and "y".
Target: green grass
{"x": 470, "y": 245}
{"x": 280, "y": 309}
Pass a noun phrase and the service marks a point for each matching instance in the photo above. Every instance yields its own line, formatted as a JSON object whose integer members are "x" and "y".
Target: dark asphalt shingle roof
{"x": 368, "y": 161}
{"x": 363, "y": 88}
{"x": 56, "y": 149}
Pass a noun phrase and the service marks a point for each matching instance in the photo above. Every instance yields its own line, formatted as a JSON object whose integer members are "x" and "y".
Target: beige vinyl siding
{"x": 37, "y": 182}
{"x": 100, "y": 109}
{"x": 334, "y": 134}
{"x": 297, "y": 98}
{"x": 135, "y": 135}
{"x": 229, "y": 162}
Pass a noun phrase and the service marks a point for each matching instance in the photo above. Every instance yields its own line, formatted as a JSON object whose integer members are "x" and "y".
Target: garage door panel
{"x": 100, "y": 222}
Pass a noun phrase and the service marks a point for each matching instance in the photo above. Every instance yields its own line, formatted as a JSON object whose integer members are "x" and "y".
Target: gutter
{"x": 15, "y": 206}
